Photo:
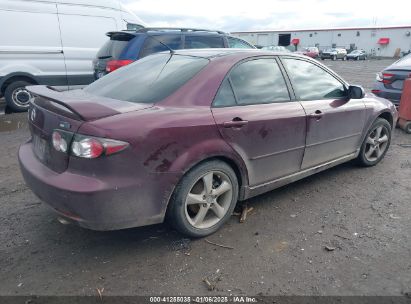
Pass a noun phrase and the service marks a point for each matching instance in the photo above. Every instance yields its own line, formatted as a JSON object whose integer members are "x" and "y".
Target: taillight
{"x": 86, "y": 146}
{"x": 113, "y": 65}
{"x": 93, "y": 147}
{"x": 386, "y": 78}
{"x": 59, "y": 142}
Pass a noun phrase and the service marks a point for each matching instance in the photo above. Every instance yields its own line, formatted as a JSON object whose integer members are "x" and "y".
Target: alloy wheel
{"x": 376, "y": 143}
{"x": 209, "y": 200}
{"x": 21, "y": 97}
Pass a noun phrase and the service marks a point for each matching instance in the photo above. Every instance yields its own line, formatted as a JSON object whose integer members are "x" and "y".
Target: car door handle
{"x": 317, "y": 115}
{"x": 235, "y": 123}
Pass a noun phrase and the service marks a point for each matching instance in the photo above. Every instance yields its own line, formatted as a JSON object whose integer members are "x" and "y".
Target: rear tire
{"x": 17, "y": 97}
{"x": 204, "y": 199}
{"x": 376, "y": 143}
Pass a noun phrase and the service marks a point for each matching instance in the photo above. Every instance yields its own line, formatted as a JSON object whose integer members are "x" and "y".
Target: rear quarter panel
{"x": 164, "y": 141}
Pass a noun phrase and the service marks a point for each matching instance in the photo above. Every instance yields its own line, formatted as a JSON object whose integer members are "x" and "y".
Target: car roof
{"x": 167, "y": 31}
{"x": 214, "y": 53}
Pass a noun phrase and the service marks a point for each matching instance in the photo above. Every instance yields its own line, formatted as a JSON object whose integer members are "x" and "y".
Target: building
{"x": 387, "y": 41}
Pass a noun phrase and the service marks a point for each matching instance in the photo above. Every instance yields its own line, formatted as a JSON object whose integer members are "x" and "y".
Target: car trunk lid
{"x": 396, "y": 81}
{"x": 66, "y": 111}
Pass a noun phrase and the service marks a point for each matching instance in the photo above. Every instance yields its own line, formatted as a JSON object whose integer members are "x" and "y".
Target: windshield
{"x": 148, "y": 80}
{"x": 355, "y": 52}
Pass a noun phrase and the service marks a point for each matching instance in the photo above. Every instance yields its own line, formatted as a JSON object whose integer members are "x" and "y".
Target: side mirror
{"x": 356, "y": 92}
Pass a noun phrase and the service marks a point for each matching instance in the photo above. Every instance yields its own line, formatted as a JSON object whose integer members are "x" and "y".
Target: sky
{"x": 241, "y": 15}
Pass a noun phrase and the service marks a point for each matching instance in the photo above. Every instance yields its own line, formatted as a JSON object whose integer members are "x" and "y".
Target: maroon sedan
{"x": 185, "y": 135}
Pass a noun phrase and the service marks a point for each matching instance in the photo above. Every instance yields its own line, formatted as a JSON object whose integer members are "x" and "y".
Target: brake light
{"x": 93, "y": 147}
{"x": 386, "y": 78}
{"x": 113, "y": 65}
{"x": 113, "y": 147}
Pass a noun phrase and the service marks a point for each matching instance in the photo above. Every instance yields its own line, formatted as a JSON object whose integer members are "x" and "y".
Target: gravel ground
{"x": 363, "y": 214}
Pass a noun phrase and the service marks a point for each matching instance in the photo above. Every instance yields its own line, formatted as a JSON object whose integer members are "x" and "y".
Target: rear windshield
{"x": 148, "y": 80}
{"x": 403, "y": 62}
{"x": 112, "y": 49}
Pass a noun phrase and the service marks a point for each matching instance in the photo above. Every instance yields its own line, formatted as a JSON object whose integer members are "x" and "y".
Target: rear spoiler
{"x": 53, "y": 95}
{"x": 127, "y": 35}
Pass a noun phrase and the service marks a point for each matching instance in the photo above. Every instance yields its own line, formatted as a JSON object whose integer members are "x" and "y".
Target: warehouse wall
{"x": 367, "y": 39}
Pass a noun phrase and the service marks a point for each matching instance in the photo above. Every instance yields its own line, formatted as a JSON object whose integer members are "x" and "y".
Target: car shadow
{"x": 163, "y": 235}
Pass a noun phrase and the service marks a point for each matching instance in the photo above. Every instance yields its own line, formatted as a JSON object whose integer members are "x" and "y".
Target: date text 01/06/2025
{"x": 204, "y": 299}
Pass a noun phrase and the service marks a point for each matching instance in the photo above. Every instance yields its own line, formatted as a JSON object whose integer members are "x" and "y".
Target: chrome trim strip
{"x": 276, "y": 153}
{"x": 301, "y": 174}
{"x": 333, "y": 140}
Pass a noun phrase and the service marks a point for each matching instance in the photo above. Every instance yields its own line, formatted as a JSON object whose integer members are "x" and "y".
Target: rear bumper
{"x": 98, "y": 203}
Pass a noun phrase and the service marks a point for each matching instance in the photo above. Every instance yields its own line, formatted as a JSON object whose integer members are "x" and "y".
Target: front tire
{"x": 17, "y": 97}
{"x": 204, "y": 199}
{"x": 376, "y": 143}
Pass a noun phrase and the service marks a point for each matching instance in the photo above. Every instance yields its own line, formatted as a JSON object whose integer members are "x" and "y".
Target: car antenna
{"x": 172, "y": 52}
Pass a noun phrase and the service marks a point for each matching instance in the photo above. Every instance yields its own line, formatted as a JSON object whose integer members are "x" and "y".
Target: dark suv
{"x": 124, "y": 47}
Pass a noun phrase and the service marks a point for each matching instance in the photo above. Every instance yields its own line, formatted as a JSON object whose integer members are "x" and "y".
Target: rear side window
{"x": 112, "y": 49}
{"x": 238, "y": 43}
{"x": 225, "y": 96}
{"x": 203, "y": 42}
{"x": 148, "y": 80}
{"x": 153, "y": 44}
{"x": 134, "y": 27}
{"x": 311, "y": 82}
{"x": 259, "y": 81}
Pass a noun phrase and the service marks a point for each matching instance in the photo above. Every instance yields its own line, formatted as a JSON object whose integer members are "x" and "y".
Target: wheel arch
{"x": 7, "y": 80}
{"x": 239, "y": 170}
{"x": 388, "y": 117}
{"x": 234, "y": 162}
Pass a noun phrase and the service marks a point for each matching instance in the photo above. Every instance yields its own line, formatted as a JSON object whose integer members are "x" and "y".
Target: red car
{"x": 312, "y": 52}
{"x": 185, "y": 135}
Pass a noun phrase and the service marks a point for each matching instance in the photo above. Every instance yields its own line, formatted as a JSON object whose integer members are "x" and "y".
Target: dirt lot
{"x": 364, "y": 214}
